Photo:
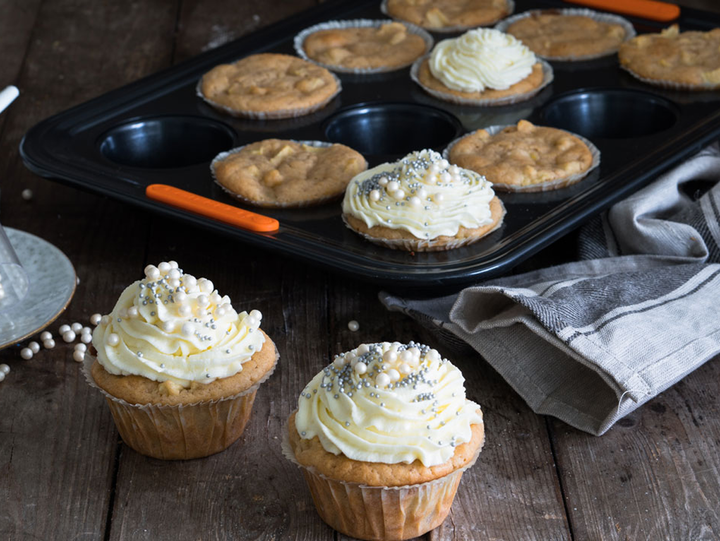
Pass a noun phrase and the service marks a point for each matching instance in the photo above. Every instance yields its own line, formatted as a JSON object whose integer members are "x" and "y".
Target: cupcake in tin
{"x": 421, "y": 203}
{"x": 383, "y": 435}
{"x": 448, "y": 15}
{"x": 178, "y": 365}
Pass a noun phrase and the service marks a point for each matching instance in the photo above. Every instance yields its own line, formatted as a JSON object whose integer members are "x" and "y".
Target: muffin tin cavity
{"x": 166, "y": 142}
{"x": 610, "y": 113}
{"x": 392, "y": 129}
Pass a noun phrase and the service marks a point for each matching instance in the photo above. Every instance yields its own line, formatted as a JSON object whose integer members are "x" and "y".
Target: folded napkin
{"x": 590, "y": 341}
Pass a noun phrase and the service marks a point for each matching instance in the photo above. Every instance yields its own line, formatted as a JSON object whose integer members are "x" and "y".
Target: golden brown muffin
{"x": 269, "y": 85}
{"x": 568, "y": 36}
{"x": 365, "y": 47}
{"x": 439, "y": 14}
{"x": 524, "y": 157}
{"x": 689, "y": 60}
{"x": 281, "y": 173}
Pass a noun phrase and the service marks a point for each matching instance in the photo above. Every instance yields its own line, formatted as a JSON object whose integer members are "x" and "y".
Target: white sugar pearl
{"x": 95, "y": 319}
{"x": 64, "y": 328}
{"x": 49, "y": 343}
{"x": 415, "y": 202}
{"x": 393, "y": 374}
{"x": 86, "y": 338}
{"x": 86, "y": 330}
{"x": 5, "y": 369}
{"x": 206, "y": 286}
{"x": 187, "y": 329}
{"x": 168, "y": 326}
{"x": 454, "y": 170}
{"x": 363, "y": 349}
{"x": 421, "y": 193}
{"x": 221, "y": 311}
{"x": 152, "y": 272}
{"x": 203, "y": 301}
{"x": 76, "y": 327}
{"x": 104, "y": 320}
{"x": 184, "y": 310}
{"x": 374, "y": 195}
{"x": 383, "y": 181}
{"x": 26, "y": 353}
{"x": 252, "y": 322}
{"x": 443, "y": 163}
{"x": 68, "y": 336}
{"x": 189, "y": 281}
{"x": 164, "y": 267}
{"x": 174, "y": 274}
{"x": 398, "y": 194}
{"x": 173, "y": 264}
{"x": 406, "y": 356}
{"x": 432, "y": 355}
{"x": 438, "y": 198}
{"x": 415, "y": 352}
{"x": 2, "y": 376}
{"x": 257, "y": 314}
{"x": 45, "y": 336}
{"x": 389, "y": 356}
{"x": 215, "y": 298}
{"x": 339, "y": 362}
{"x": 80, "y": 347}
{"x": 132, "y": 312}
{"x": 382, "y": 379}
{"x": 113, "y": 339}
{"x": 180, "y": 296}
{"x": 446, "y": 177}
{"x": 34, "y": 347}
{"x": 174, "y": 282}
{"x": 360, "y": 368}
{"x": 353, "y": 326}
{"x": 78, "y": 356}
{"x": 405, "y": 368}
{"x": 27, "y": 194}
{"x": 392, "y": 186}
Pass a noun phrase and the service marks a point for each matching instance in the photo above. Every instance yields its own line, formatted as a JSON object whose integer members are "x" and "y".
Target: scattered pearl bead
{"x": 421, "y": 193}
{"x": 184, "y": 310}
{"x": 95, "y": 319}
{"x": 433, "y": 355}
{"x": 257, "y": 314}
{"x": 252, "y": 322}
{"x": 86, "y": 338}
{"x": 174, "y": 274}
{"x": 80, "y": 347}
{"x": 415, "y": 352}
{"x": 415, "y": 202}
{"x": 27, "y": 194}
{"x": 390, "y": 356}
{"x": 360, "y": 368}
{"x": 113, "y": 339}
{"x": 45, "y": 336}
{"x": 26, "y": 353}
{"x": 383, "y": 181}
{"x": 203, "y": 301}
{"x": 34, "y": 347}
{"x": 443, "y": 163}
{"x": 339, "y": 362}
{"x": 86, "y": 330}
{"x": 393, "y": 374}
{"x": 406, "y": 356}
{"x": 78, "y": 356}
{"x": 152, "y": 272}
{"x": 446, "y": 177}
{"x": 206, "y": 286}
{"x": 173, "y": 264}
{"x": 49, "y": 343}
{"x": 221, "y": 311}
{"x": 132, "y": 312}
{"x": 189, "y": 281}
{"x": 180, "y": 296}
{"x": 76, "y": 327}
{"x": 353, "y": 326}
{"x": 405, "y": 369}
{"x": 4, "y": 369}
{"x": 164, "y": 267}
{"x": 392, "y": 186}
{"x": 438, "y": 198}
{"x": 187, "y": 329}
{"x": 382, "y": 379}
{"x": 2, "y": 376}
{"x": 374, "y": 195}
{"x": 68, "y": 336}
{"x": 399, "y": 194}
{"x": 64, "y": 328}
{"x": 104, "y": 320}
{"x": 174, "y": 282}
{"x": 215, "y": 298}
{"x": 168, "y": 326}
{"x": 363, "y": 349}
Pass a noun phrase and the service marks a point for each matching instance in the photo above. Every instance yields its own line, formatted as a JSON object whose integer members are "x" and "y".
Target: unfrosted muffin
{"x": 178, "y": 365}
{"x": 441, "y": 14}
{"x": 525, "y": 157}
{"x": 383, "y": 435}
{"x": 269, "y": 85}
{"x": 479, "y": 67}
{"x": 278, "y": 173}
{"x": 684, "y": 60}
{"x": 421, "y": 203}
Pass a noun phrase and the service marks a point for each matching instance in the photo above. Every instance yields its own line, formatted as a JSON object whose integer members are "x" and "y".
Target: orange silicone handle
{"x": 198, "y": 204}
{"x": 647, "y": 9}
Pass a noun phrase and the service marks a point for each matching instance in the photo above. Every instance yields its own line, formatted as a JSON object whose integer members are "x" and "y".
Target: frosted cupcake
{"x": 178, "y": 365}
{"x": 383, "y": 435}
{"x": 421, "y": 203}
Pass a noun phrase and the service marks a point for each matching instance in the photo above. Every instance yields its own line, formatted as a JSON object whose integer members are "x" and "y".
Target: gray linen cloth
{"x": 590, "y": 341}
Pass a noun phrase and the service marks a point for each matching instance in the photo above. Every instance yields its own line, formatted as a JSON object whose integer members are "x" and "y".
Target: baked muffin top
{"x": 389, "y": 45}
{"x": 282, "y": 173}
{"x": 557, "y": 35}
{"x": 683, "y": 58}
{"x": 274, "y": 85}
{"x": 520, "y": 157}
{"x": 439, "y": 14}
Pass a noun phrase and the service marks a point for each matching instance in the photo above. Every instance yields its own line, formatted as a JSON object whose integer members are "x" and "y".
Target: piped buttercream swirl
{"x": 480, "y": 59}
{"x": 389, "y": 403}
{"x": 171, "y": 326}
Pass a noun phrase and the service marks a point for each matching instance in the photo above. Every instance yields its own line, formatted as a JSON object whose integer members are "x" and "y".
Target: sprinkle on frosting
{"x": 389, "y": 403}
{"x": 171, "y": 326}
{"x": 479, "y": 59}
{"x": 422, "y": 194}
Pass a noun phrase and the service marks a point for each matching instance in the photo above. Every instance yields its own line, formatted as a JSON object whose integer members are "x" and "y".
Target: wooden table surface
{"x": 65, "y": 474}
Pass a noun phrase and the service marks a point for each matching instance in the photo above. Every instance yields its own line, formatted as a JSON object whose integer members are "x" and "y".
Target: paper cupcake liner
{"x": 540, "y": 186}
{"x": 184, "y": 431}
{"x": 460, "y": 100}
{"x": 426, "y": 245}
{"x": 268, "y": 115}
{"x": 456, "y": 28}
{"x": 264, "y": 204}
{"x": 672, "y": 85}
{"x": 377, "y": 512}
{"x": 358, "y": 23}
{"x": 594, "y": 15}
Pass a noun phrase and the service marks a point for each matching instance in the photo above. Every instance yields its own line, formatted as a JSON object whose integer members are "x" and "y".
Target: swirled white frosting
{"x": 390, "y": 403}
{"x": 422, "y": 194}
{"x": 479, "y": 59}
{"x": 174, "y": 327}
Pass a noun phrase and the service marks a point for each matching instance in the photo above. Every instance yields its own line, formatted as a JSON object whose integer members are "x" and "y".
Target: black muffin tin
{"x": 157, "y": 130}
